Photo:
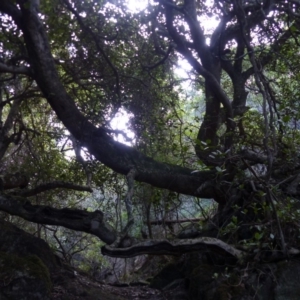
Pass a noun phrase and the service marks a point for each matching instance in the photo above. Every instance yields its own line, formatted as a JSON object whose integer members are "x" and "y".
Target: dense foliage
{"x": 228, "y": 129}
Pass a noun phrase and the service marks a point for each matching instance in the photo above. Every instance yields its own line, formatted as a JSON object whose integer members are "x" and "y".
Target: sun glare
{"x": 120, "y": 123}
{"x": 136, "y": 6}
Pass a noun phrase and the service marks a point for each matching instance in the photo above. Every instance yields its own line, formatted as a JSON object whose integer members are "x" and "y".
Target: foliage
{"x": 227, "y": 130}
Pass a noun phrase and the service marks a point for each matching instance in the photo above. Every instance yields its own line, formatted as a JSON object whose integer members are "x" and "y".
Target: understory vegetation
{"x": 163, "y": 130}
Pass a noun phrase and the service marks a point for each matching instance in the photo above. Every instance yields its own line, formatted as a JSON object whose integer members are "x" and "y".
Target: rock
{"x": 30, "y": 271}
{"x": 14, "y": 240}
{"x": 25, "y": 278}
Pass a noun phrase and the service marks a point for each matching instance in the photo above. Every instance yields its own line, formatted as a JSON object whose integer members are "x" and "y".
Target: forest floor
{"x": 71, "y": 285}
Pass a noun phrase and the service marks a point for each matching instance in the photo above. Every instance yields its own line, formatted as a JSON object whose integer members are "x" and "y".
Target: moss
{"x": 15, "y": 241}
{"x": 13, "y": 267}
{"x": 39, "y": 270}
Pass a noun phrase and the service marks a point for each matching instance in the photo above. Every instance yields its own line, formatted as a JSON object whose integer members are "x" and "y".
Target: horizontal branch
{"x": 75, "y": 219}
{"x": 164, "y": 247}
{"x": 54, "y": 185}
{"x": 160, "y": 222}
{"x": 15, "y": 70}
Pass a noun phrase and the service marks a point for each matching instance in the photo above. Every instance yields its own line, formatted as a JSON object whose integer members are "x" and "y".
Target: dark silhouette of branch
{"x": 15, "y": 70}
{"x": 54, "y": 185}
{"x": 177, "y": 247}
{"x": 160, "y": 222}
{"x": 117, "y": 156}
{"x": 75, "y": 219}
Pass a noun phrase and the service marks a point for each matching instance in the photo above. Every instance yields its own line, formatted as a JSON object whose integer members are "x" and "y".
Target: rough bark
{"x": 164, "y": 247}
{"x": 94, "y": 223}
{"x": 80, "y": 220}
{"x": 208, "y": 62}
{"x": 161, "y": 222}
{"x": 53, "y": 185}
{"x": 119, "y": 157}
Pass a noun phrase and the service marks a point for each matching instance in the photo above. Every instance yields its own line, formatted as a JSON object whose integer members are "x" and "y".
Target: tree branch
{"x": 54, "y": 185}
{"x": 75, "y": 219}
{"x": 212, "y": 83}
{"x": 15, "y": 70}
{"x": 119, "y": 157}
{"x": 164, "y": 247}
{"x": 161, "y": 222}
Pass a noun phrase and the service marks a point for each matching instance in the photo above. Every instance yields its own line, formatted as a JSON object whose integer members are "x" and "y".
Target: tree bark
{"x": 119, "y": 157}
{"x": 164, "y": 247}
{"x": 75, "y": 219}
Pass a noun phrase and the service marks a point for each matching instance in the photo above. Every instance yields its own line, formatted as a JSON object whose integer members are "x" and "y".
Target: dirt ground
{"x": 70, "y": 285}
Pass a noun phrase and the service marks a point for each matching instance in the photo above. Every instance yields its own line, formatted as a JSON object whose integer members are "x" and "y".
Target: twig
{"x": 283, "y": 245}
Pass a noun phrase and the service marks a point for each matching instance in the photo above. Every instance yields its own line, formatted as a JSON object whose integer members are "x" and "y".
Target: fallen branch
{"x": 164, "y": 247}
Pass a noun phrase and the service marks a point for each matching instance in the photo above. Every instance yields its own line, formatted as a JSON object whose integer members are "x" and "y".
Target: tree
{"x": 80, "y": 63}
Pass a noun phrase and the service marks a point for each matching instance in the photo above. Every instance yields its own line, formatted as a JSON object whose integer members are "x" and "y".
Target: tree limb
{"x": 117, "y": 156}
{"x": 209, "y": 127}
{"x": 161, "y": 222}
{"x": 164, "y": 247}
{"x": 54, "y": 185}
{"x": 75, "y": 219}
{"x": 15, "y": 70}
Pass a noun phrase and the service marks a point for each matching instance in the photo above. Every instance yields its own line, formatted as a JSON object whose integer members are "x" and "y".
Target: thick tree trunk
{"x": 119, "y": 157}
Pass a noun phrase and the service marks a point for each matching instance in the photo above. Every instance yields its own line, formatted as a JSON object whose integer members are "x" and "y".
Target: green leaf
{"x": 286, "y": 118}
{"x": 258, "y": 236}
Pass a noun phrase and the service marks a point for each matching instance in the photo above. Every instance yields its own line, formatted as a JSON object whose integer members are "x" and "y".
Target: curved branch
{"x": 80, "y": 220}
{"x": 164, "y": 247}
{"x": 54, "y": 185}
{"x": 211, "y": 81}
{"x": 119, "y": 157}
{"x": 197, "y": 34}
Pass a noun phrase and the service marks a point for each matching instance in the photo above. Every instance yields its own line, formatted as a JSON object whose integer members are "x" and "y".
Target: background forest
{"x": 164, "y": 130}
